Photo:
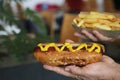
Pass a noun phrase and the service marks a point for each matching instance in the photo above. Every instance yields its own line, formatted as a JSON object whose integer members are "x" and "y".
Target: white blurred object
{"x": 100, "y": 4}
{"x": 15, "y": 29}
{"x": 32, "y": 3}
{"x": 3, "y": 33}
{"x": 8, "y": 29}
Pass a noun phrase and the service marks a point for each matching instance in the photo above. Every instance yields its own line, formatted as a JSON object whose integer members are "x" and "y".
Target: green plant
{"x": 20, "y": 44}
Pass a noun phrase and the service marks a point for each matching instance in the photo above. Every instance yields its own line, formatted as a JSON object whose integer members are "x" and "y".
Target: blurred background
{"x": 25, "y": 23}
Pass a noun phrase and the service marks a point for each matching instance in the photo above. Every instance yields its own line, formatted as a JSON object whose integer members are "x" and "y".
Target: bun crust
{"x": 67, "y": 58}
{"x": 80, "y": 57}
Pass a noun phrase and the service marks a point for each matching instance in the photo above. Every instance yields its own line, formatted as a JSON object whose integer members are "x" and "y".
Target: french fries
{"x": 96, "y": 20}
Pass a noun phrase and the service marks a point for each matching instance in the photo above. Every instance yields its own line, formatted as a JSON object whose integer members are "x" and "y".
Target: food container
{"x": 108, "y": 33}
{"x": 112, "y": 34}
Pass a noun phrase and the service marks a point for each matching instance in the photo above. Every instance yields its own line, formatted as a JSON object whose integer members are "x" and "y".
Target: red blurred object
{"x": 53, "y": 7}
{"x": 75, "y": 5}
{"x": 45, "y": 6}
{"x": 38, "y": 7}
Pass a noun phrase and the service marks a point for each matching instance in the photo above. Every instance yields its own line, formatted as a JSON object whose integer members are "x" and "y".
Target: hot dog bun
{"x": 57, "y": 54}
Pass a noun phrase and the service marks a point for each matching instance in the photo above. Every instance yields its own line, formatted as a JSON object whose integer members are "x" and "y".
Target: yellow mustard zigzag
{"x": 96, "y": 47}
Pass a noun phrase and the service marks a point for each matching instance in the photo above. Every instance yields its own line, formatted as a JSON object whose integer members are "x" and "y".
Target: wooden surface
{"x": 49, "y": 17}
{"x": 67, "y": 30}
{"x": 90, "y": 5}
{"x": 109, "y": 6}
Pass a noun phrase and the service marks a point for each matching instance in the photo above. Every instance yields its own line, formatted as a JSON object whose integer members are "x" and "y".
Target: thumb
{"x": 107, "y": 59}
{"x": 68, "y": 40}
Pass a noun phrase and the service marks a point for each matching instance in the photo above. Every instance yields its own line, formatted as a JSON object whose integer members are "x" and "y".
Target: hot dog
{"x": 61, "y": 54}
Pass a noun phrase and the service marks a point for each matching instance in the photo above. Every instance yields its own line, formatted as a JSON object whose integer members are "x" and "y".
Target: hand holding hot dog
{"x": 107, "y": 69}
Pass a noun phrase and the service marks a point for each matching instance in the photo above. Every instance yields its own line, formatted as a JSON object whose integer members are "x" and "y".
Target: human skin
{"x": 97, "y": 37}
{"x": 94, "y": 36}
{"x": 106, "y": 69}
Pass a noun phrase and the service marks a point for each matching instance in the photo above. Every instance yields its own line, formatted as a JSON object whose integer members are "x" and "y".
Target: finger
{"x": 89, "y": 35}
{"x": 70, "y": 41}
{"x": 101, "y": 37}
{"x": 75, "y": 70}
{"x": 79, "y": 35}
{"x": 107, "y": 59}
{"x": 58, "y": 70}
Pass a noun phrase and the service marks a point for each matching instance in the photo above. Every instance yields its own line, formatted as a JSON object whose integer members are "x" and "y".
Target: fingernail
{"x": 67, "y": 69}
{"x": 68, "y": 40}
{"x": 94, "y": 31}
{"x": 76, "y": 34}
{"x": 83, "y": 31}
